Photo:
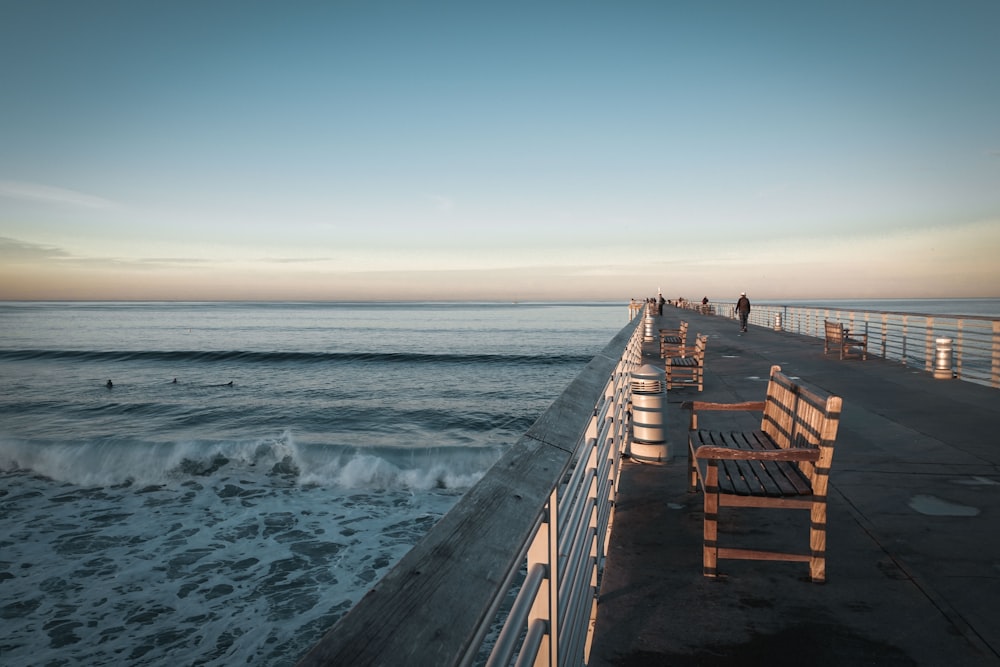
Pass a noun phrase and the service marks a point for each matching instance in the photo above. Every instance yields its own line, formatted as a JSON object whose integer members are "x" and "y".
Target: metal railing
{"x": 908, "y": 338}
{"x": 510, "y": 575}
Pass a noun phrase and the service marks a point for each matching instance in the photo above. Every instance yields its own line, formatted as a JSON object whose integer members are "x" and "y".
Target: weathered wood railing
{"x": 512, "y": 571}
{"x": 909, "y": 338}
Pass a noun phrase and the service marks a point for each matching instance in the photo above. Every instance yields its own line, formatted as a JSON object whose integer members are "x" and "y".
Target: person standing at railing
{"x": 743, "y": 308}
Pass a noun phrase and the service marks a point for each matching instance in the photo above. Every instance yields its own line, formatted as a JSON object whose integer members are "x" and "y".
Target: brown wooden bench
{"x": 841, "y": 339}
{"x": 688, "y": 364}
{"x": 672, "y": 340}
{"x": 785, "y": 464}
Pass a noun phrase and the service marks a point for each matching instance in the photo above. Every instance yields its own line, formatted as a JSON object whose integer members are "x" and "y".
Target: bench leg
{"x": 817, "y": 543}
{"x": 692, "y": 469}
{"x": 710, "y": 547}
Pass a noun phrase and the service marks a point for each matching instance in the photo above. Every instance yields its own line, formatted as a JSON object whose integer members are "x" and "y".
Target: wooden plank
{"x": 750, "y": 443}
{"x": 732, "y": 553}
{"x": 788, "y": 478}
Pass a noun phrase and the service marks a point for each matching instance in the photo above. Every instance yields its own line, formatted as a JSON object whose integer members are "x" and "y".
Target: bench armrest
{"x": 746, "y": 406}
{"x": 790, "y": 454}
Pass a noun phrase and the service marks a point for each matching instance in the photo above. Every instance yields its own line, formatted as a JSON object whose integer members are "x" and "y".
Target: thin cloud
{"x": 12, "y": 250}
{"x": 53, "y": 195}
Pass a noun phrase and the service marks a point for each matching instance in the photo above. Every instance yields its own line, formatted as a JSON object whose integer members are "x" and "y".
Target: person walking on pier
{"x": 743, "y": 308}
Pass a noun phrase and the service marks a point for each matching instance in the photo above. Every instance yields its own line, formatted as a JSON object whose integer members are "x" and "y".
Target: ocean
{"x": 253, "y": 468}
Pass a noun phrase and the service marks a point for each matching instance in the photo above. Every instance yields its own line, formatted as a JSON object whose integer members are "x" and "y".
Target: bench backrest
{"x": 799, "y": 416}
{"x": 681, "y": 332}
{"x": 699, "y": 347}
{"x": 834, "y": 331}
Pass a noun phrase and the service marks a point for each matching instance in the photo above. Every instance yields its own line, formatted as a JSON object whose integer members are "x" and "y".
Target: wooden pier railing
{"x": 511, "y": 573}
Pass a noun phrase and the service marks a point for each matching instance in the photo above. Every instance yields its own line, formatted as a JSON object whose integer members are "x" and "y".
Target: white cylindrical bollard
{"x": 648, "y": 333}
{"x": 943, "y": 359}
{"x": 649, "y": 429}
{"x": 777, "y": 321}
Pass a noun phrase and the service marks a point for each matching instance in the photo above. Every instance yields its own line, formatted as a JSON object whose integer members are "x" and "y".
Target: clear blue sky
{"x": 506, "y": 150}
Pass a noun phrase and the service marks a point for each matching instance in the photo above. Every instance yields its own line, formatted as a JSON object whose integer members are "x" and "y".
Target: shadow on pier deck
{"x": 913, "y": 551}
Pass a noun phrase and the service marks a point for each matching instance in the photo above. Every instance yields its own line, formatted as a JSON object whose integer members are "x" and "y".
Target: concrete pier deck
{"x": 913, "y": 549}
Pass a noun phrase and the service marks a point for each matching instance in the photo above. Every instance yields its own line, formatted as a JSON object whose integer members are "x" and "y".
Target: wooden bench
{"x": 785, "y": 464}
{"x": 840, "y": 338}
{"x": 688, "y": 364}
{"x": 673, "y": 339}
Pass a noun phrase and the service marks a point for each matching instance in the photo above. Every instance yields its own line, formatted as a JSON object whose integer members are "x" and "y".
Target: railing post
{"x": 545, "y": 549}
{"x": 596, "y": 555}
{"x": 960, "y": 329}
{"x": 885, "y": 334}
{"x": 995, "y": 365}
{"x": 929, "y": 348}
{"x": 906, "y": 319}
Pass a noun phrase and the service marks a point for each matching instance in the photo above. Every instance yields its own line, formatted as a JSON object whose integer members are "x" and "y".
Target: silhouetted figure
{"x": 109, "y": 385}
{"x": 743, "y": 308}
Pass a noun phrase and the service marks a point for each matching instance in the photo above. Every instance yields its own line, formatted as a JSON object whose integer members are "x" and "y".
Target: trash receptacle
{"x": 649, "y": 429}
{"x": 777, "y": 321}
{"x": 647, "y": 334}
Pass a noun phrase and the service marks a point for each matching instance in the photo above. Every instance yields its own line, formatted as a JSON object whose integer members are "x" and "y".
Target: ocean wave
{"x": 278, "y": 461}
{"x": 270, "y": 357}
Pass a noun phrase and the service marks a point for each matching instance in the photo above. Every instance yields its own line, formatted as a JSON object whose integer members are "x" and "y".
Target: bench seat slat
{"x": 755, "y": 478}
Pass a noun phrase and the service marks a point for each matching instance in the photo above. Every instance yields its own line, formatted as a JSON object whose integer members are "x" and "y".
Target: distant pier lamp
{"x": 943, "y": 359}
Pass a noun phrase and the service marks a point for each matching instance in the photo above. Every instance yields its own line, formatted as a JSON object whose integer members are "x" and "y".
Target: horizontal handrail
{"x": 908, "y": 338}
{"x": 524, "y": 547}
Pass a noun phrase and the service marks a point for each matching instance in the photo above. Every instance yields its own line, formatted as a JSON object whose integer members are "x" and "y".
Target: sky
{"x": 586, "y": 150}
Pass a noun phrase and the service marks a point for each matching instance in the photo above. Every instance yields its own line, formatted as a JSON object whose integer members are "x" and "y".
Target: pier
{"x": 913, "y": 554}
{"x": 913, "y": 550}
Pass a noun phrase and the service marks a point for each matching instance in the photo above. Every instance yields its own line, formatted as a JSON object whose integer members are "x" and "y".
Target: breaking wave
{"x": 115, "y": 462}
